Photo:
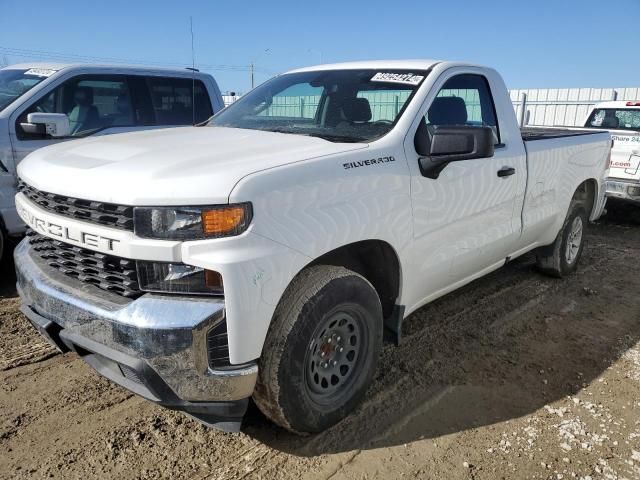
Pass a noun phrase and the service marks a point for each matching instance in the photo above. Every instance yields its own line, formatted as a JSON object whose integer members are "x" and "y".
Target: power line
{"x": 60, "y": 56}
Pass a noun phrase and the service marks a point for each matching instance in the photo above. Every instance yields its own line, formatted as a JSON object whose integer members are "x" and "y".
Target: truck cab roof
{"x": 409, "y": 64}
{"x": 619, "y": 104}
{"x": 416, "y": 64}
{"x": 56, "y": 67}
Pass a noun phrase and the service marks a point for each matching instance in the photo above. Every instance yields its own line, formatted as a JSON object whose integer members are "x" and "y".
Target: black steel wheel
{"x": 321, "y": 351}
{"x": 334, "y": 354}
{"x": 562, "y": 256}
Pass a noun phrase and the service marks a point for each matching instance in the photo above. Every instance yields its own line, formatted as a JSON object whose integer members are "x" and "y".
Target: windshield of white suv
{"x": 615, "y": 119}
{"x": 14, "y": 83}
{"x": 336, "y": 105}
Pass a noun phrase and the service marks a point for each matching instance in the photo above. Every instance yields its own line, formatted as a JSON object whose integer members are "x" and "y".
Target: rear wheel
{"x": 321, "y": 351}
{"x": 562, "y": 256}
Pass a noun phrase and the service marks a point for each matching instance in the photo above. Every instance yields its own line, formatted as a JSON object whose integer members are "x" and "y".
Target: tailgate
{"x": 625, "y": 155}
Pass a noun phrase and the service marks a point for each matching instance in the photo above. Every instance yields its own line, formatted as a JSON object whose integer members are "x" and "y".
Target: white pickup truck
{"x": 622, "y": 119}
{"x": 46, "y": 103}
{"x": 263, "y": 254}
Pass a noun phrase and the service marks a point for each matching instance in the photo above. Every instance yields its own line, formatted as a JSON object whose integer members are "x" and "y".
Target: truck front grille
{"x": 114, "y": 274}
{"x": 108, "y": 214}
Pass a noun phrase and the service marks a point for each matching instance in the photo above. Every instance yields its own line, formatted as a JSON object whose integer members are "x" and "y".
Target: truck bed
{"x": 542, "y": 133}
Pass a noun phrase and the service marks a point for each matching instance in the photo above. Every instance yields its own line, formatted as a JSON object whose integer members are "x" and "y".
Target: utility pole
{"x": 252, "y": 66}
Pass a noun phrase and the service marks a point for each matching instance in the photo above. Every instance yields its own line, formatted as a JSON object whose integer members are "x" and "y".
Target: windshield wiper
{"x": 334, "y": 138}
{"x": 325, "y": 136}
{"x": 278, "y": 130}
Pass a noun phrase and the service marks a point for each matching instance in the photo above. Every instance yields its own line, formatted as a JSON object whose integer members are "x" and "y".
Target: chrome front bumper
{"x": 156, "y": 345}
{"x": 623, "y": 190}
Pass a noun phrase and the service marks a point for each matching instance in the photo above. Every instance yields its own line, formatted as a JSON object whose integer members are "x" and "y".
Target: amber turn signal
{"x": 225, "y": 221}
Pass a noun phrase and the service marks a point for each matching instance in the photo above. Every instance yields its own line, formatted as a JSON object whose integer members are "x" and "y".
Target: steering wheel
{"x": 383, "y": 122}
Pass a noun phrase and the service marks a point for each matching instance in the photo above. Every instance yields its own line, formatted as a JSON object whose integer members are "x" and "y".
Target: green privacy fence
{"x": 293, "y": 107}
{"x": 544, "y": 107}
{"x": 384, "y": 105}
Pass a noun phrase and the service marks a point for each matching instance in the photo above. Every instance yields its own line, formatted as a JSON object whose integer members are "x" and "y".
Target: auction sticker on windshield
{"x": 405, "y": 78}
{"x": 40, "y": 72}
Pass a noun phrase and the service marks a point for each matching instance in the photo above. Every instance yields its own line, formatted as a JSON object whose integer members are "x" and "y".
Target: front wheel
{"x": 3, "y": 243}
{"x": 562, "y": 256}
{"x": 321, "y": 351}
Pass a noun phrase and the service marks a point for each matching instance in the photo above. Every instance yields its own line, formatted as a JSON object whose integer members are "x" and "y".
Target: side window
{"x": 464, "y": 100}
{"x": 111, "y": 99}
{"x": 611, "y": 118}
{"x": 91, "y": 102}
{"x": 176, "y": 102}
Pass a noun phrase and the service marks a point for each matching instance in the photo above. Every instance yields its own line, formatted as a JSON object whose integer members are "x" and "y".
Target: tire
{"x": 562, "y": 257}
{"x": 3, "y": 243}
{"x": 321, "y": 350}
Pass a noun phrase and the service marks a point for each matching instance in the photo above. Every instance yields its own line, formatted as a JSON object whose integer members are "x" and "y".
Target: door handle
{"x": 506, "y": 171}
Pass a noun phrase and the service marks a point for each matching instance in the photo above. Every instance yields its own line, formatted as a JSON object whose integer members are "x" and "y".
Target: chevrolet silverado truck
{"x": 46, "y": 103}
{"x": 622, "y": 119}
{"x": 263, "y": 254}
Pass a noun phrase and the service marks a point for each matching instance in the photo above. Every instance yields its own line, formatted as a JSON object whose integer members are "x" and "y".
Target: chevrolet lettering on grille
{"x": 65, "y": 233}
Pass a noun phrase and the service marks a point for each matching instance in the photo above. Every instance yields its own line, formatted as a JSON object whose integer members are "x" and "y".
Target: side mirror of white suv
{"x": 55, "y": 125}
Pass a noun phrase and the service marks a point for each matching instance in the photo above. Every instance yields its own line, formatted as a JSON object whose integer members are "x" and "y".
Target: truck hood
{"x": 175, "y": 166}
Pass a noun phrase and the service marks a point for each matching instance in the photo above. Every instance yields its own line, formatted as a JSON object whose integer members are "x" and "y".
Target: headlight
{"x": 192, "y": 223}
{"x": 178, "y": 278}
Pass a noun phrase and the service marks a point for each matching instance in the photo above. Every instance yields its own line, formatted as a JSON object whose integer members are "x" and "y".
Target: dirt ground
{"x": 514, "y": 376}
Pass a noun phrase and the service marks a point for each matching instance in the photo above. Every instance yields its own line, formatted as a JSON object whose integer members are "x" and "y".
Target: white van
{"x": 45, "y": 103}
{"x": 622, "y": 119}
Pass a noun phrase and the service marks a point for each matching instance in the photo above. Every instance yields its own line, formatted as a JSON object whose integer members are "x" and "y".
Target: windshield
{"x": 615, "y": 119}
{"x": 337, "y": 105}
{"x": 14, "y": 83}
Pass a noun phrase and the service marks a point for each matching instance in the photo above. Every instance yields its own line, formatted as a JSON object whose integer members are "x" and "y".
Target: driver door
{"x": 464, "y": 220}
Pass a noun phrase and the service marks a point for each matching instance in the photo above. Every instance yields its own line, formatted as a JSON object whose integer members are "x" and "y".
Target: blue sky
{"x": 537, "y": 43}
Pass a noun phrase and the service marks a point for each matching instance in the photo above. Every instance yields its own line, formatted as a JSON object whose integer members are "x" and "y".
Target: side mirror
{"x": 451, "y": 144}
{"x": 55, "y": 125}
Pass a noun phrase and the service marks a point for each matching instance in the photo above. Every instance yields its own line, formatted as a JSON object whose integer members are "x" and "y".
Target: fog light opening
{"x": 213, "y": 280}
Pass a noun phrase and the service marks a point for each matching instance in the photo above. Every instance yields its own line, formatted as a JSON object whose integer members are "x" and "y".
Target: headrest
{"x": 122, "y": 102}
{"x": 448, "y": 111}
{"x": 357, "y": 110}
{"x": 610, "y": 122}
{"x": 83, "y": 96}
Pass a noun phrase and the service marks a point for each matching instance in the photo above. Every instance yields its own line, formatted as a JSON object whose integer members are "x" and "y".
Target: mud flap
{"x": 393, "y": 325}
